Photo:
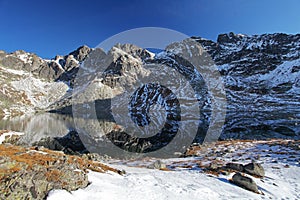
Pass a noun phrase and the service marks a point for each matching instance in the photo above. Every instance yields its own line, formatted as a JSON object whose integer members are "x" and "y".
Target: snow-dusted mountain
{"x": 30, "y": 83}
{"x": 261, "y": 72}
{"x": 262, "y": 81}
{"x": 261, "y": 75}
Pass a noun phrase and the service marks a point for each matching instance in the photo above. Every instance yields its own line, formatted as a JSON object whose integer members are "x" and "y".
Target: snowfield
{"x": 141, "y": 183}
{"x": 185, "y": 180}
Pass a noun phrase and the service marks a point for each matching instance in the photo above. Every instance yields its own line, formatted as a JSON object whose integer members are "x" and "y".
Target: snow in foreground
{"x": 280, "y": 160}
{"x": 141, "y": 183}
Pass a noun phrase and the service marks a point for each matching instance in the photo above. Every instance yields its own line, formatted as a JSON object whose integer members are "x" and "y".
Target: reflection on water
{"x": 242, "y": 125}
{"x": 39, "y": 126}
{"x": 262, "y": 124}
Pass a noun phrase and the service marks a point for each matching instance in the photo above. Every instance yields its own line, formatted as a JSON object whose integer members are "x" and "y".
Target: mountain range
{"x": 261, "y": 74}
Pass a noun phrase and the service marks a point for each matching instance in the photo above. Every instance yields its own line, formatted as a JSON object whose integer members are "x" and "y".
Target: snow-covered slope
{"x": 150, "y": 184}
{"x": 21, "y": 93}
{"x": 184, "y": 179}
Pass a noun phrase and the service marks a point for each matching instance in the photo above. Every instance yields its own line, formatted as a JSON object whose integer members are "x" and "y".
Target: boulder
{"x": 235, "y": 167}
{"x": 158, "y": 164}
{"x": 254, "y": 169}
{"x": 244, "y": 182}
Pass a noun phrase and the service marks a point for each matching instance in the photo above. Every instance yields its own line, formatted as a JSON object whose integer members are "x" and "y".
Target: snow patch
{"x": 41, "y": 94}
{"x": 121, "y": 52}
{"x": 9, "y": 134}
{"x": 14, "y": 71}
{"x": 282, "y": 74}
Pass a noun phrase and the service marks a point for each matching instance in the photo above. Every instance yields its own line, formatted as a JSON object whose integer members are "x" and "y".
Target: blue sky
{"x": 55, "y": 27}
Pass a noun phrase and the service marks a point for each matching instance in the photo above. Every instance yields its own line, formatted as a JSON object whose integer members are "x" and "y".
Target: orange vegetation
{"x": 27, "y": 158}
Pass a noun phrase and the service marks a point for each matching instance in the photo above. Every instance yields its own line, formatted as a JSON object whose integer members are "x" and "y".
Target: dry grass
{"x": 21, "y": 155}
{"x": 27, "y": 158}
{"x": 53, "y": 175}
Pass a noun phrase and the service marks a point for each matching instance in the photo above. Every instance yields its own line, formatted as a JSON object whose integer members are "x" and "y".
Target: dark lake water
{"x": 238, "y": 125}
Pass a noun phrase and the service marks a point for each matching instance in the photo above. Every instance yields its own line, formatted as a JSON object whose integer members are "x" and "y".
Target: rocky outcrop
{"x": 253, "y": 168}
{"x": 31, "y": 173}
{"x": 50, "y": 70}
{"x": 235, "y": 166}
{"x": 158, "y": 164}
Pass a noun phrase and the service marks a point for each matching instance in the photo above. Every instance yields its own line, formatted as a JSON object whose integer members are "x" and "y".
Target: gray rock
{"x": 244, "y": 182}
{"x": 50, "y": 71}
{"x": 235, "y": 166}
{"x": 2, "y": 54}
{"x": 35, "y": 181}
{"x": 158, "y": 164}
{"x": 255, "y": 169}
{"x": 228, "y": 38}
{"x": 96, "y": 157}
{"x": 70, "y": 63}
{"x": 213, "y": 166}
{"x": 36, "y": 63}
{"x": 30, "y": 173}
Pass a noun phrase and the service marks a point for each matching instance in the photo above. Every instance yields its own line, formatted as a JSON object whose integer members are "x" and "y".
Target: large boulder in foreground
{"x": 244, "y": 182}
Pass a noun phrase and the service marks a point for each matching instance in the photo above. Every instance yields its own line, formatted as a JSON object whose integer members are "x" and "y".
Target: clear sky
{"x": 55, "y": 27}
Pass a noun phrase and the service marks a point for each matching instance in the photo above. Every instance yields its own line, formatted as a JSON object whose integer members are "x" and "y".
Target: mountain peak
{"x": 81, "y": 52}
{"x": 230, "y": 37}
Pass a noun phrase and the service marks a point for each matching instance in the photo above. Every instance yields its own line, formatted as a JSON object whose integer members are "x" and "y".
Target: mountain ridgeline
{"x": 261, "y": 75}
